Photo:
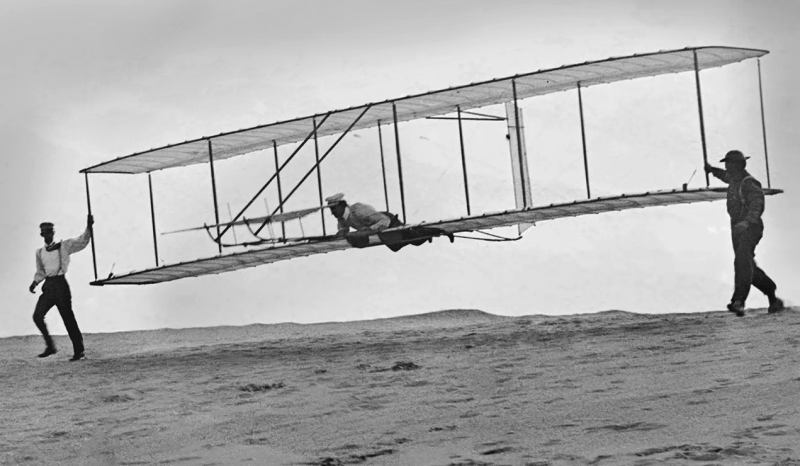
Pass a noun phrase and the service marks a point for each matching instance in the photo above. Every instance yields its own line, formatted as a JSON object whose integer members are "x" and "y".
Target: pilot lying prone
{"x": 365, "y": 220}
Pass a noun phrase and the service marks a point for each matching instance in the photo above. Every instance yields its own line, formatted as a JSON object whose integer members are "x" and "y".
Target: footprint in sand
{"x": 636, "y": 426}
{"x": 252, "y": 387}
{"x": 772, "y": 430}
{"x": 440, "y": 429}
{"x": 123, "y": 398}
{"x": 699, "y": 402}
{"x": 404, "y": 366}
{"x": 703, "y": 452}
{"x": 398, "y": 366}
{"x": 471, "y": 462}
{"x": 496, "y": 451}
{"x": 353, "y": 458}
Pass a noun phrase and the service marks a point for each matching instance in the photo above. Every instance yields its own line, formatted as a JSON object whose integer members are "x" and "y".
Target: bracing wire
{"x": 232, "y": 228}
{"x": 495, "y": 238}
{"x": 269, "y": 225}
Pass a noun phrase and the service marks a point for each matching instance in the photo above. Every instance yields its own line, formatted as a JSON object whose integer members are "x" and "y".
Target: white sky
{"x": 85, "y": 82}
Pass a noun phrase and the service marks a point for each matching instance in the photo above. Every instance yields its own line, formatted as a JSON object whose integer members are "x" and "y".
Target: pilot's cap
{"x": 46, "y": 227}
{"x": 335, "y": 199}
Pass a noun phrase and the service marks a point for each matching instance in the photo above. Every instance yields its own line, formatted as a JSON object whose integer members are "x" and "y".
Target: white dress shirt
{"x": 56, "y": 262}
{"x": 362, "y": 217}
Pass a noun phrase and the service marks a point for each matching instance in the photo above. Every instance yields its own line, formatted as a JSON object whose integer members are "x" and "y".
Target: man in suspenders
{"x": 52, "y": 262}
{"x": 745, "y": 206}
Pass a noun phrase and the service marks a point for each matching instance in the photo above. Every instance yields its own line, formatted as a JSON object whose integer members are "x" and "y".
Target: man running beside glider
{"x": 745, "y": 206}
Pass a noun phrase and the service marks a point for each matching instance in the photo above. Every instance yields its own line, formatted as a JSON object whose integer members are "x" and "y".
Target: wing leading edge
{"x": 256, "y": 257}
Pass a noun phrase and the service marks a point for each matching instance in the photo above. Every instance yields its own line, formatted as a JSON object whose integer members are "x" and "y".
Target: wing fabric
{"x": 275, "y": 253}
{"x": 430, "y": 104}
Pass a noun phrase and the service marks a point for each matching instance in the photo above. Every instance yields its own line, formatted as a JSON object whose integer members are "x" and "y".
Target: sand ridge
{"x": 460, "y": 387}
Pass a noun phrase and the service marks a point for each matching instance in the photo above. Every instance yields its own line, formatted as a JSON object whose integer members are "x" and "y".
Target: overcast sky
{"x": 88, "y": 81}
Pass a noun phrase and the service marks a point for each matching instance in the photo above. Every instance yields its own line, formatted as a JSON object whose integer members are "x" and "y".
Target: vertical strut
{"x": 463, "y": 158}
{"x": 519, "y": 142}
{"x": 399, "y": 163}
{"x": 214, "y": 191}
{"x": 383, "y": 166}
{"x": 763, "y": 124}
{"x": 91, "y": 227}
{"x": 153, "y": 217}
{"x": 280, "y": 193}
{"x": 319, "y": 176}
{"x": 700, "y": 109}
{"x": 583, "y": 138}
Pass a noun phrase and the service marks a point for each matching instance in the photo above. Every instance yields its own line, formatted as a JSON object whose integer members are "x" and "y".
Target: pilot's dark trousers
{"x": 397, "y": 240}
{"x": 746, "y": 272}
{"x": 56, "y": 292}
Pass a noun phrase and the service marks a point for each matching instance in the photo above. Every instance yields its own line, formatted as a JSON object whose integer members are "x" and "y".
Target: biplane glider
{"x": 453, "y": 103}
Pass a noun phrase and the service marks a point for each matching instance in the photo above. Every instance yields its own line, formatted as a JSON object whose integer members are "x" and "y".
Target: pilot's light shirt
{"x": 362, "y": 217}
{"x": 56, "y": 262}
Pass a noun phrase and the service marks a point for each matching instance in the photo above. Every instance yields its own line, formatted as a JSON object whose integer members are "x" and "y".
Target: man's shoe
{"x": 48, "y": 351}
{"x": 776, "y": 306}
{"x": 77, "y": 356}
{"x": 737, "y": 307}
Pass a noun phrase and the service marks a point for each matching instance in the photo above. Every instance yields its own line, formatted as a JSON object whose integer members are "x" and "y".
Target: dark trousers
{"x": 55, "y": 292}
{"x": 746, "y": 272}
{"x": 399, "y": 239}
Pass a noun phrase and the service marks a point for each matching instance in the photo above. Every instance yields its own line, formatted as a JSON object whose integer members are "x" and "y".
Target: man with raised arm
{"x": 745, "y": 206}
{"x": 52, "y": 262}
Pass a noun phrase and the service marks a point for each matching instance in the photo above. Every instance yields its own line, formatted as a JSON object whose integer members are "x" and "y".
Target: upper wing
{"x": 435, "y": 103}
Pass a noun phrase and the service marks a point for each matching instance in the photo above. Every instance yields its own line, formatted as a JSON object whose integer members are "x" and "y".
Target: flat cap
{"x": 335, "y": 199}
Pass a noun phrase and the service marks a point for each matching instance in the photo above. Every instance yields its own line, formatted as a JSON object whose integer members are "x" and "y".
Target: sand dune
{"x": 460, "y": 387}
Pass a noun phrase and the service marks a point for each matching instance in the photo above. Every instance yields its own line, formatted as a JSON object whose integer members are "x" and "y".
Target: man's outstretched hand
{"x": 89, "y": 221}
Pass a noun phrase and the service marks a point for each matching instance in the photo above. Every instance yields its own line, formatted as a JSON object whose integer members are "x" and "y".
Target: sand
{"x": 449, "y": 388}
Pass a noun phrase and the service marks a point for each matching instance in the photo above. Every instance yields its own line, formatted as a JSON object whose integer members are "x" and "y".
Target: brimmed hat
{"x": 46, "y": 226}
{"x": 734, "y": 156}
{"x": 335, "y": 199}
